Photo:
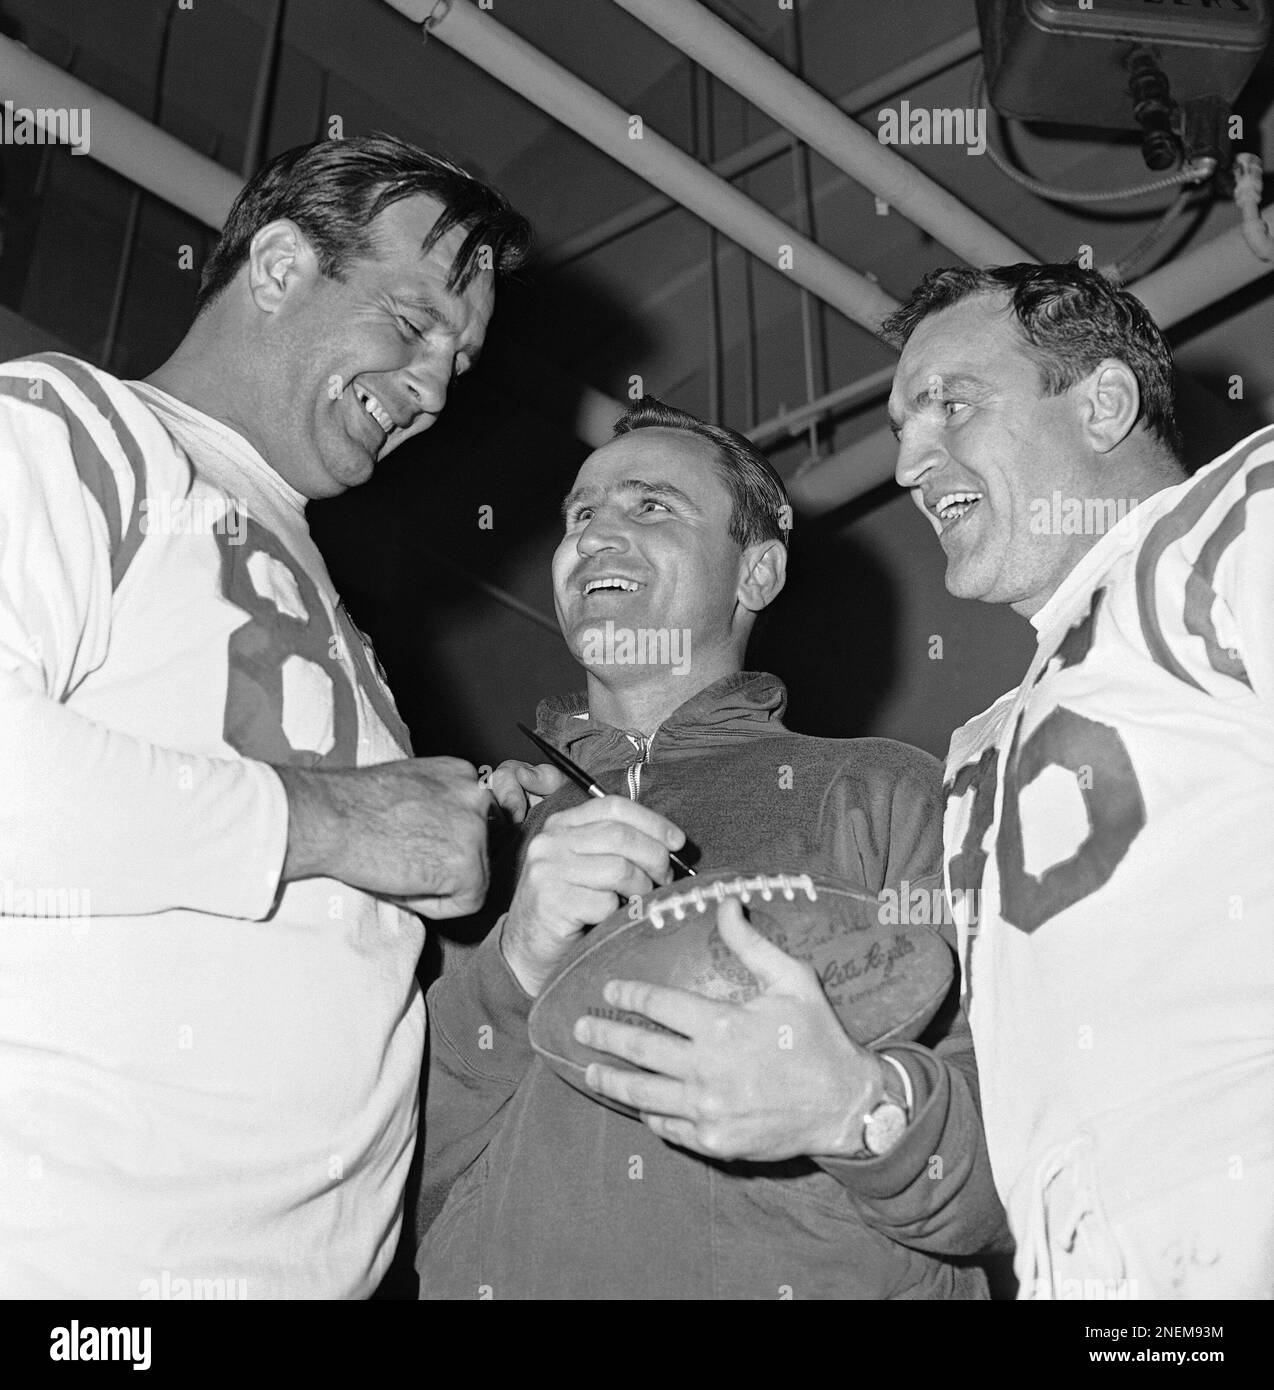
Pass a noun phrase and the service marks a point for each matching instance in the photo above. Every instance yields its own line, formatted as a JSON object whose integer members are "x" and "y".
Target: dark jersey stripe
{"x": 79, "y": 373}
{"x": 1169, "y": 529}
{"x": 95, "y": 473}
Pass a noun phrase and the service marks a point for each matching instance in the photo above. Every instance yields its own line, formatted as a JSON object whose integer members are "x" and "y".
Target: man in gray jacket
{"x": 757, "y": 1174}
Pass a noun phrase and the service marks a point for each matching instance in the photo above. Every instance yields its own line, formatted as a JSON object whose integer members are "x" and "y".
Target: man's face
{"x": 979, "y": 444}
{"x": 367, "y": 359}
{"x": 647, "y": 546}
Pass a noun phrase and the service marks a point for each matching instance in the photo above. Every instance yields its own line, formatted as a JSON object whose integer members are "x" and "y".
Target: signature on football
{"x": 875, "y": 960}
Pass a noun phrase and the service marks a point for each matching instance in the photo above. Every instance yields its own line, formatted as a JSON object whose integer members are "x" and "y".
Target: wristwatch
{"x": 884, "y": 1123}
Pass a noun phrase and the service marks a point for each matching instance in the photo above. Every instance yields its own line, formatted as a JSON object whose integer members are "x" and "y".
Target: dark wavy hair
{"x": 334, "y": 189}
{"x": 760, "y": 509}
{"x": 1070, "y": 320}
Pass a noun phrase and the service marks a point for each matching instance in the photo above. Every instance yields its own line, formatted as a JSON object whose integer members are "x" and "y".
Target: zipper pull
{"x": 642, "y": 744}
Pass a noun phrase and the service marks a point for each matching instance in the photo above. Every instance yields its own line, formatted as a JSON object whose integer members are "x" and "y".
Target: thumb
{"x": 774, "y": 969}
{"x": 543, "y": 779}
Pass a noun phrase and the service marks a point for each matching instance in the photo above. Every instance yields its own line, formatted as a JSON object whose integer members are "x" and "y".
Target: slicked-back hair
{"x": 759, "y": 510}
{"x": 1070, "y": 319}
{"x": 335, "y": 189}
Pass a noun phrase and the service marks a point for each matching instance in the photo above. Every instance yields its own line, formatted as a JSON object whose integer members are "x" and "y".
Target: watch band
{"x": 908, "y": 1090}
{"x": 883, "y": 1125}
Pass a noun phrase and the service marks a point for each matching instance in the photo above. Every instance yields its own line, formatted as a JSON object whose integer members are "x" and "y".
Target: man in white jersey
{"x": 1110, "y": 824}
{"x": 211, "y": 827}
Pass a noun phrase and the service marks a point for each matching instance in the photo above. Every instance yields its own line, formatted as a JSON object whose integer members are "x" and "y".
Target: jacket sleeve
{"x": 933, "y": 1191}
{"x": 479, "y": 1052}
{"x": 135, "y": 827}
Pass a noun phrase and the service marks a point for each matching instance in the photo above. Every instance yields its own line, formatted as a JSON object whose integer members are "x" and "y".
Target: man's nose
{"x": 604, "y": 532}
{"x": 916, "y": 456}
{"x": 428, "y": 378}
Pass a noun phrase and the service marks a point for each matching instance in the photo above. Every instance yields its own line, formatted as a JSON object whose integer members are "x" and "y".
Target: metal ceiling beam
{"x": 1200, "y": 277}
{"x": 900, "y": 79}
{"x": 824, "y": 127}
{"x": 524, "y": 69}
{"x": 121, "y": 139}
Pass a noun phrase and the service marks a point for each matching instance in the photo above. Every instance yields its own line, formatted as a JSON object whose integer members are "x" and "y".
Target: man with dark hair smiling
{"x": 1108, "y": 823}
{"x": 210, "y": 1064}
{"x": 757, "y": 1171}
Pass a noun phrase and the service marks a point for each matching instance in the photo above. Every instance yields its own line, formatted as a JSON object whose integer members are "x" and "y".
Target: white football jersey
{"x": 1110, "y": 861}
{"x": 207, "y": 1085}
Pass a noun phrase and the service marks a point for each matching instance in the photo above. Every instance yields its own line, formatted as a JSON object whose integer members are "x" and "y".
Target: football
{"x": 885, "y": 981}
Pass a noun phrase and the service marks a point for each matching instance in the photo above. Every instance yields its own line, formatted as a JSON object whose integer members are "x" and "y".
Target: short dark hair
{"x": 1070, "y": 319}
{"x": 334, "y": 189}
{"x": 760, "y": 508}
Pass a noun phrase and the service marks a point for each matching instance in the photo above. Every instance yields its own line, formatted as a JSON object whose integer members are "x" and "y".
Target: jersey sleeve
{"x": 1246, "y": 582}
{"x": 133, "y": 827}
{"x": 1205, "y": 578}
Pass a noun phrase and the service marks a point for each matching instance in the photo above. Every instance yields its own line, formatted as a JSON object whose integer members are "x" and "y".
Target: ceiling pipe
{"x": 498, "y": 51}
{"x": 790, "y": 422}
{"x": 1199, "y": 278}
{"x": 121, "y": 139}
{"x": 861, "y": 99}
{"x": 152, "y": 159}
{"x": 845, "y": 475}
{"x": 255, "y": 141}
{"x": 824, "y": 127}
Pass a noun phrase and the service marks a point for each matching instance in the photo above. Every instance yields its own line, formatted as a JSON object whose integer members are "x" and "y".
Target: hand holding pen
{"x": 582, "y": 780}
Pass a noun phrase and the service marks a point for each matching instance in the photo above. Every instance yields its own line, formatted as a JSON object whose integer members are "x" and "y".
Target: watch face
{"x": 884, "y": 1126}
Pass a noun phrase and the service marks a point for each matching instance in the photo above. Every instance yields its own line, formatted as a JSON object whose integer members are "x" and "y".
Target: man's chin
{"x": 399, "y": 437}
{"x": 352, "y": 468}
{"x": 961, "y": 581}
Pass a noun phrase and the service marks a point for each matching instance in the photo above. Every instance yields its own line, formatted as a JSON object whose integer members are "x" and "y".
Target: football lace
{"x": 742, "y": 888}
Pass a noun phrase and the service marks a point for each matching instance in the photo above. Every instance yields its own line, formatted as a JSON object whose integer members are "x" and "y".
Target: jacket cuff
{"x": 481, "y": 1011}
{"x": 895, "y": 1171}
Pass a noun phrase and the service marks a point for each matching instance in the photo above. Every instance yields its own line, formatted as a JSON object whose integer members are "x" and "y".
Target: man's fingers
{"x": 508, "y": 792}
{"x": 518, "y": 786}
{"x": 613, "y": 872}
{"x": 654, "y": 1094}
{"x": 438, "y": 908}
{"x": 541, "y": 779}
{"x": 631, "y": 813}
{"x": 773, "y": 968}
{"x": 688, "y": 1014}
{"x": 569, "y": 846}
{"x": 651, "y": 1051}
{"x": 684, "y": 1133}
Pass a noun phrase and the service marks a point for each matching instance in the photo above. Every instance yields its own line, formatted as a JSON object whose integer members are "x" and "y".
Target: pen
{"x": 583, "y": 780}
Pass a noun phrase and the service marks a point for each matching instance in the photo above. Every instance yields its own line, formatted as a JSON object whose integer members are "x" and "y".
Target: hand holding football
{"x": 768, "y": 1079}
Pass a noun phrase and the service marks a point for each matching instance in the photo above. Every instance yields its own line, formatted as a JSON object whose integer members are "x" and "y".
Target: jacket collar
{"x": 747, "y": 704}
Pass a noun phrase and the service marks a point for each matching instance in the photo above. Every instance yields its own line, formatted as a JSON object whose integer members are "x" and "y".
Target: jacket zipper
{"x": 642, "y": 744}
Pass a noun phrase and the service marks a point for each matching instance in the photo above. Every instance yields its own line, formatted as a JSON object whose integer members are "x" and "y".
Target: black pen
{"x": 583, "y": 780}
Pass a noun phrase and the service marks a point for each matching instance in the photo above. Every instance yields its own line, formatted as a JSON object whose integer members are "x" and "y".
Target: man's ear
{"x": 762, "y": 574}
{"x": 278, "y": 259}
{"x": 1110, "y": 401}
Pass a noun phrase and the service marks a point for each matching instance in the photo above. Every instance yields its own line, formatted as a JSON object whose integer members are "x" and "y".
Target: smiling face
{"x": 362, "y": 363}
{"x": 979, "y": 445}
{"x": 647, "y": 546}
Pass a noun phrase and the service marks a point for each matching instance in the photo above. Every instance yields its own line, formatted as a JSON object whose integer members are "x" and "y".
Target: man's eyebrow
{"x": 427, "y": 304}
{"x": 658, "y": 488}
{"x": 573, "y": 498}
{"x": 938, "y": 388}
{"x": 424, "y": 304}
